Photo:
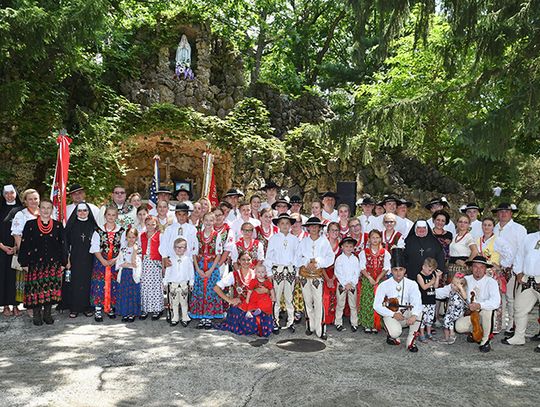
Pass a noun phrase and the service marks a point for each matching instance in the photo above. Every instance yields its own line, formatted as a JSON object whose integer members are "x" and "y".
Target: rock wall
{"x": 286, "y": 112}
{"x": 218, "y": 82}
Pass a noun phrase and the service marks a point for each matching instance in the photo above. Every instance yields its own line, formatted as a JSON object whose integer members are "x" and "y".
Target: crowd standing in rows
{"x": 261, "y": 266}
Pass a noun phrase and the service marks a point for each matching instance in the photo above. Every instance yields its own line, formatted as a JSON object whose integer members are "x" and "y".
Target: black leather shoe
{"x": 324, "y": 337}
{"x": 98, "y": 318}
{"x": 505, "y": 341}
{"x": 156, "y": 316}
{"x": 339, "y": 328}
{"x": 470, "y": 339}
{"x": 174, "y": 323}
{"x": 124, "y": 319}
{"x": 200, "y": 325}
{"x": 537, "y": 349}
{"x": 485, "y": 348}
{"x": 509, "y": 332}
{"x": 111, "y": 315}
{"x": 413, "y": 349}
{"x": 208, "y": 325}
{"x": 536, "y": 338}
{"x": 143, "y": 316}
{"x": 308, "y": 332}
{"x": 392, "y": 341}
{"x": 292, "y": 329}
{"x": 354, "y": 328}
{"x": 184, "y": 323}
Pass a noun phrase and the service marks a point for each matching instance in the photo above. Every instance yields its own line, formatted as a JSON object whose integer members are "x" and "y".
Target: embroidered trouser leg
{"x": 178, "y": 295}
{"x": 342, "y": 297}
{"x": 463, "y": 325}
{"x": 395, "y": 327}
{"x": 312, "y": 289}
{"x": 525, "y": 302}
{"x": 284, "y": 279}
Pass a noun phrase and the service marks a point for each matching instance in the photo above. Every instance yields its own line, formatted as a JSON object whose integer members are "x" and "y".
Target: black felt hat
{"x": 470, "y": 205}
{"x": 183, "y": 189}
{"x": 74, "y": 188}
{"x": 441, "y": 201}
{"x": 314, "y": 221}
{"x": 295, "y": 199}
{"x": 348, "y": 240}
{"x": 165, "y": 190}
{"x": 481, "y": 260}
{"x": 367, "y": 200}
{"x": 182, "y": 207}
{"x": 403, "y": 201}
{"x": 233, "y": 192}
{"x": 330, "y": 194}
{"x": 275, "y": 221}
{"x": 397, "y": 257}
{"x": 505, "y": 206}
{"x": 283, "y": 200}
{"x": 389, "y": 198}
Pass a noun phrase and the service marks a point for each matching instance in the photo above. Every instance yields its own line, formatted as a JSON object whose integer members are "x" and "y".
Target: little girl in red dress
{"x": 255, "y": 302}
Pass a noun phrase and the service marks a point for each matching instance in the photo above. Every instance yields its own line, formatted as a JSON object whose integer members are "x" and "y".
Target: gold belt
{"x": 317, "y": 273}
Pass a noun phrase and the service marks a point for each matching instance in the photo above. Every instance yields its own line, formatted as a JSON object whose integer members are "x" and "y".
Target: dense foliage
{"x": 454, "y": 83}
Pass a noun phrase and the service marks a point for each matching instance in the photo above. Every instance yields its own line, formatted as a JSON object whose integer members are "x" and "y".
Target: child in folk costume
{"x": 129, "y": 278}
{"x": 374, "y": 264}
{"x": 247, "y": 243}
{"x": 105, "y": 246}
{"x": 178, "y": 280}
{"x": 330, "y": 282}
{"x": 457, "y": 304}
{"x": 361, "y": 237}
{"x": 226, "y": 237}
{"x": 151, "y": 278}
{"x": 428, "y": 281}
{"x": 255, "y": 302}
{"x": 347, "y": 270}
{"x": 298, "y": 298}
{"x": 205, "y": 304}
{"x": 266, "y": 229}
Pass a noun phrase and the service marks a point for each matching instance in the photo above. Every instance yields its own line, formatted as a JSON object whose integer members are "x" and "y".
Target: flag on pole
{"x": 209, "y": 181}
{"x": 59, "y": 186}
{"x": 154, "y": 186}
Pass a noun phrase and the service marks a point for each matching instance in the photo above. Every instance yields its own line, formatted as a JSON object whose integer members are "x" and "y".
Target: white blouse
{"x": 20, "y": 219}
{"x": 460, "y": 246}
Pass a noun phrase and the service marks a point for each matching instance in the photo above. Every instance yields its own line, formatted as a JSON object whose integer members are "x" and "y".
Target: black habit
{"x": 417, "y": 249}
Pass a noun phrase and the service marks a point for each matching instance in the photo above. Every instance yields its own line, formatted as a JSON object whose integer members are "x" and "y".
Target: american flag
{"x": 154, "y": 186}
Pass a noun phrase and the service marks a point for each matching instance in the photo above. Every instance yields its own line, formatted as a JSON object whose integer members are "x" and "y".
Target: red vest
{"x": 154, "y": 245}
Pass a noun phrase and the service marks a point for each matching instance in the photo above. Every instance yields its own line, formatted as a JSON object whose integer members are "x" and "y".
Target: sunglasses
{"x": 247, "y": 230}
{"x": 389, "y": 221}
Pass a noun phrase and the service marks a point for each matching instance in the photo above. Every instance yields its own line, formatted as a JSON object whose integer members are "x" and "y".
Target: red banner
{"x": 59, "y": 186}
{"x": 212, "y": 195}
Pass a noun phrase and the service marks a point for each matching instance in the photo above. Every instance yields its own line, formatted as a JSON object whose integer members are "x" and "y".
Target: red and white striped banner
{"x": 59, "y": 186}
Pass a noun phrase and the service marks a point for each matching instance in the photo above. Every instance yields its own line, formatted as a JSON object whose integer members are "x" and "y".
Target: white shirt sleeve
{"x": 443, "y": 292}
{"x": 226, "y": 281}
{"x": 260, "y": 252}
{"x": 234, "y": 253}
{"x": 17, "y": 225}
{"x": 269, "y": 260}
{"x": 362, "y": 259}
{"x": 94, "y": 243}
{"x": 386, "y": 263}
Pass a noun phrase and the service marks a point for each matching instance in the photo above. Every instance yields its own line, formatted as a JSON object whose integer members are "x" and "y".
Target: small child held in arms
{"x": 428, "y": 281}
{"x": 178, "y": 281}
{"x": 457, "y": 304}
{"x": 129, "y": 278}
{"x": 256, "y": 302}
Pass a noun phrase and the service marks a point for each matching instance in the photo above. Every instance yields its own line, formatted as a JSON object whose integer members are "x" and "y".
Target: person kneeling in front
{"x": 399, "y": 302}
{"x": 483, "y": 298}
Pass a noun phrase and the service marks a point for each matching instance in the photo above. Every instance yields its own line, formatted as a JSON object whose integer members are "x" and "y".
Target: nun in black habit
{"x": 10, "y": 204}
{"x": 76, "y": 292}
{"x": 419, "y": 245}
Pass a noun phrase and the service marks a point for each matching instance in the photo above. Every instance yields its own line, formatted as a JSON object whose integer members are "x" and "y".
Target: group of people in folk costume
{"x": 261, "y": 266}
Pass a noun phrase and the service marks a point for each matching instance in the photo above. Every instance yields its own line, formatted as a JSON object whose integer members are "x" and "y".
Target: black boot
{"x": 37, "y": 316}
{"x": 47, "y": 317}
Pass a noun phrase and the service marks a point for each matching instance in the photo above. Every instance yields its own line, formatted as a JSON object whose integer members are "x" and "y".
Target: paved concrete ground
{"x": 147, "y": 363}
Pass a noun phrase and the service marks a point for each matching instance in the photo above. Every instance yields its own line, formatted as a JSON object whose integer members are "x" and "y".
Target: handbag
{"x": 15, "y": 265}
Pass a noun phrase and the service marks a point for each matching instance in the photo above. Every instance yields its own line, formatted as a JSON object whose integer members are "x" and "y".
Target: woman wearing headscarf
{"x": 76, "y": 288}
{"x": 10, "y": 204}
